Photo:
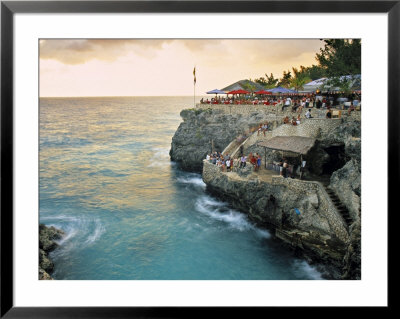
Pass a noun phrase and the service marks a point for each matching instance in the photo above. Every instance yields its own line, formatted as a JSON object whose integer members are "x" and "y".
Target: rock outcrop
{"x": 347, "y": 184}
{"x": 47, "y": 237}
{"x": 317, "y": 227}
{"x": 203, "y": 128}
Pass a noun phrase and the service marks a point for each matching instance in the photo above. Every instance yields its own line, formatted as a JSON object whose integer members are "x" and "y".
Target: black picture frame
{"x": 9, "y": 8}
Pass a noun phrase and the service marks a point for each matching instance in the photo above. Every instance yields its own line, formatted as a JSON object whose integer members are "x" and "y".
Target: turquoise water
{"x": 129, "y": 212}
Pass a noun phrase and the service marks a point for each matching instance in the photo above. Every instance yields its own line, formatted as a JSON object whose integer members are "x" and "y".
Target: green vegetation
{"x": 340, "y": 57}
{"x": 268, "y": 82}
{"x": 199, "y": 135}
{"x": 249, "y": 87}
{"x": 285, "y": 80}
{"x": 337, "y": 58}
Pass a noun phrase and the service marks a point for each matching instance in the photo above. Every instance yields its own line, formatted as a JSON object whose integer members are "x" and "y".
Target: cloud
{"x": 80, "y": 51}
{"x": 213, "y": 51}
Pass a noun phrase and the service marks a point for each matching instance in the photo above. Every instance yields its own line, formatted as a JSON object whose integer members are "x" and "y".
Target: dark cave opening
{"x": 337, "y": 159}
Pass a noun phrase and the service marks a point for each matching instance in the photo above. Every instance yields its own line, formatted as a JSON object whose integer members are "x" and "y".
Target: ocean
{"x": 129, "y": 213}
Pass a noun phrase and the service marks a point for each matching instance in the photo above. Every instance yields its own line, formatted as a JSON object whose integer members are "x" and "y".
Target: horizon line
{"x": 87, "y": 96}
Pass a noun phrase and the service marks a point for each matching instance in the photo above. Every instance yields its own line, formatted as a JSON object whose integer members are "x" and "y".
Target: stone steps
{"x": 231, "y": 147}
{"x": 342, "y": 209}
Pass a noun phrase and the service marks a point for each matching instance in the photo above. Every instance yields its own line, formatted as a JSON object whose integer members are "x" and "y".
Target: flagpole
{"x": 194, "y": 87}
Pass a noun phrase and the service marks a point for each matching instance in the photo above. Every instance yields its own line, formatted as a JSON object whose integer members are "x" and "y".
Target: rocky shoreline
{"x": 47, "y": 243}
{"x": 320, "y": 234}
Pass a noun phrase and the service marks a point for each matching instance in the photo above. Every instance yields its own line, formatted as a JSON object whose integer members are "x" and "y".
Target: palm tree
{"x": 298, "y": 82}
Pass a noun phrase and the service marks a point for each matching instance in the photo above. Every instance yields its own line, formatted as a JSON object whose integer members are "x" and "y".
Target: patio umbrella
{"x": 216, "y": 91}
{"x": 238, "y": 92}
{"x": 280, "y": 89}
{"x": 262, "y": 92}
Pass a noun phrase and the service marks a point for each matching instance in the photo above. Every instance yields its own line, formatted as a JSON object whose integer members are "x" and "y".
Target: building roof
{"x": 294, "y": 144}
{"x": 280, "y": 89}
{"x": 243, "y": 85}
{"x": 322, "y": 84}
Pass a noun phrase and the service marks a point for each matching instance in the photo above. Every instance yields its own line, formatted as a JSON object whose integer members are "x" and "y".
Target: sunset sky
{"x": 102, "y": 67}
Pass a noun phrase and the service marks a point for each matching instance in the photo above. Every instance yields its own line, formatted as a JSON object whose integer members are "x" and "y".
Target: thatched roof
{"x": 294, "y": 144}
{"x": 243, "y": 85}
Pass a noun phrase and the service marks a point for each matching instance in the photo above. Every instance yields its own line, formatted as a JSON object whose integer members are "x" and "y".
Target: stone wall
{"x": 325, "y": 205}
{"x": 319, "y": 230}
{"x": 314, "y": 127}
{"x": 271, "y": 110}
{"x": 315, "y": 192}
{"x": 241, "y": 109}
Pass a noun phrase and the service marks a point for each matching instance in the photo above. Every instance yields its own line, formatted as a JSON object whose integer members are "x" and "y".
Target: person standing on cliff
{"x": 243, "y": 161}
{"x": 288, "y": 102}
{"x": 329, "y": 114}
{"x": 228, "y": 165}
{"x": 253, "y": 160}
{"x": 258, "y": 161}
{"x": 285, "y": 167}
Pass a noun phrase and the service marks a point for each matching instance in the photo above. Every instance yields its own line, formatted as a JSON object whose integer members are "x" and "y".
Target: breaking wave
{"x": 79, "y": 232}
{"x": 220, "y": 211}
{"x": 193, "y": 180}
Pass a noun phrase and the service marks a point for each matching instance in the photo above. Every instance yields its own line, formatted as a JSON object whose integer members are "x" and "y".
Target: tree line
{"x": 338, "y": 57}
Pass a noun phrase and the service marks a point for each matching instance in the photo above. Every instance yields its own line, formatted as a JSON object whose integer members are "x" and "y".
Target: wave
{"x": 220, "y": 211}
{"x": 96, "y": 234}
{"x": 158, "y": 163}
{"x": 194, "y": 180}
{"x": 160, "y": 152}
{"x": 79, "y": 232}
{"x": 160, "y": 158}
{"x": 303, "y": 267}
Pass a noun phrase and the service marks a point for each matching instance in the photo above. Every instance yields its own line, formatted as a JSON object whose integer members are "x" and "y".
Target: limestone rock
{"x": 201, "y": 129}
{"x": 347, "y": 184}
{"x": 43, "y": 275}
{"x": 245, "y": 171}
{"x": 352, "y": 259}
{"x": 44, "y": 262}
{"x": 47, "y": 237}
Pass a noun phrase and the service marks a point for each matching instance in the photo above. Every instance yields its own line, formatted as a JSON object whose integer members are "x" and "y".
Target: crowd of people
{"x": 263, "y": 127}
{"x": 293, "y": 121}
{"x": 230, "y": 164}
{"x": 296, "y": 102}
{"x": 285, "y": 169}
{"x": 241, "y": 100}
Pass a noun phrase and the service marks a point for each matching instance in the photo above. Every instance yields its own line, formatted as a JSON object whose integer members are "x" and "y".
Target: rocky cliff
{"x": 203, "y": 128}
{"x": 298, "y": 212}
{"x": 318, "y": 230}
{"x": 347, "y": 184}
{"x": 47, "y": 243}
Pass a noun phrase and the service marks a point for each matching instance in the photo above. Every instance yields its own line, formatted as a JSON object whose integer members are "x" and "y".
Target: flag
{"x": 194, "y": 74}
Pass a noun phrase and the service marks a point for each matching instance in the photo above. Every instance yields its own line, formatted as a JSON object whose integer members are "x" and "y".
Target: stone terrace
{"x": 273, "y": 111}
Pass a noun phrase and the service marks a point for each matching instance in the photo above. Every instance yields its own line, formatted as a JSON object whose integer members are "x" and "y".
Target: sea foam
{"x": 220, "y": 211}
